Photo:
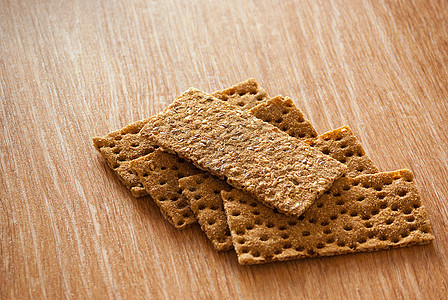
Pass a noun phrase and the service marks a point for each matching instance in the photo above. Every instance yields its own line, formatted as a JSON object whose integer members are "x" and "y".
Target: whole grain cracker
{"x": 282, "y": 113}
{"x": 160, "y": 173}
{"x": 366, "y": 213}
{"x": 342, "y": 145}
{"x": 120, "y": 147}
{"x": 203, "y": 191}
{"x": 235, "y": 145}
{"x": 354, "y": 168}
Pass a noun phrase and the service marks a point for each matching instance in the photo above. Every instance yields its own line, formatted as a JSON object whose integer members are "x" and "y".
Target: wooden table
{"x": 73, "y": 70}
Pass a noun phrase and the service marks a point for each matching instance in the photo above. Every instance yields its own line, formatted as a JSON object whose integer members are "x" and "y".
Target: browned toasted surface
{"x": 254, "y": 156}
{"x": 159, "y": 172}
{"x": 366, "y": 213}
{"x": 203, "y": 191}
{"x": 282, "y": 113}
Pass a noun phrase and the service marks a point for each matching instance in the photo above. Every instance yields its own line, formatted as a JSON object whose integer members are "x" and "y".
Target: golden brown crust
{"x": 160, "y": 173}
{"x": 252, "y": 155}
{"x": 282, "y": 113}
{"x": 366, "y": 213}
{"x": 203, "y": 191}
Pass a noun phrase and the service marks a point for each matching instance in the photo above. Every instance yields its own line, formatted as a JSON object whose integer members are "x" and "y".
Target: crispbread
{"x": 342, "y": 144}
{"x": 282, "y": 113}
{"x": 120, "y": 147}
{"x": 204, "y": 194}
{"x": 159, "y": 172}
{"x": 354, "y": 168}
{"x": 366, "y": 213}
{"x": 236, "y": 145}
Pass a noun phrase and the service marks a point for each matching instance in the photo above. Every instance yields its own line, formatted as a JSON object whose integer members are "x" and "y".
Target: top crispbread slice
{"x": 120, "y": 147}
{"x": 159, "y": 172}
{"x": 204, "y": 198}
{"x": 282, "y": 113}
{"x": 203, "y": 190}
{"x": 366, "y": 213}
{"x": 252, "y": 155}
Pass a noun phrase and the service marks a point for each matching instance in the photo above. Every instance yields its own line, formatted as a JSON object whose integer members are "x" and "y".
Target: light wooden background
{"x": 70, "y": 70}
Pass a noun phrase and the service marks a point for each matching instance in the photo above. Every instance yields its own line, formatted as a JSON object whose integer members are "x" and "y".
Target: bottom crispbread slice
{"x": 120, "y": 147}
{"x": 159, "y": 172}
{"x": 366, "y": 213}
{"x": 204, "y": 194}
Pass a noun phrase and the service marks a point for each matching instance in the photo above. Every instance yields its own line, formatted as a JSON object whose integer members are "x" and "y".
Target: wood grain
{"x": 73, "y": 70}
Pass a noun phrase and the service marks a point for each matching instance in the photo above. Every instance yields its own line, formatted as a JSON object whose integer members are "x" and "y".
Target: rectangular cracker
{"x": 203, "y": 191}
{"x": 252, "y": 155}
{"x": 206, "y": 190}
{"x": 367, "y": 213}
{"x": 159, "y": 173}
{"x": 120, "y": 147}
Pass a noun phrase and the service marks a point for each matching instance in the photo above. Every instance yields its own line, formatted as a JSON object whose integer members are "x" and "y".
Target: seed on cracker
{"x": 160, "y": 173}
{"x": 254, "y": 156}
{"x": 366, "y": 213}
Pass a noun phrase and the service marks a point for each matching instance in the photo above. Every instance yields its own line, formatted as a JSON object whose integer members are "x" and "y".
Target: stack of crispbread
{"x": 252, "y": 171}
